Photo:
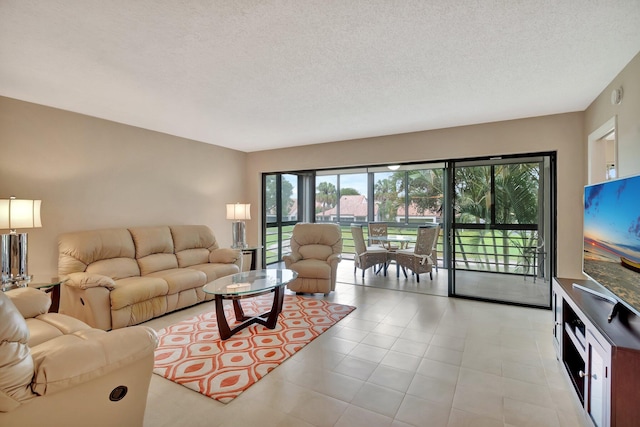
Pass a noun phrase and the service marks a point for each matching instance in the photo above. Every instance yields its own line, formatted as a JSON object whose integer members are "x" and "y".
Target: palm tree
{"x": 326, "y": 195}
{"x": 426, "y": 189}
{"x": 516, "y": 202}
{"x": 386, "y": 197}
{"x": 473, "y": 194}
{"x": 517, "y": 188}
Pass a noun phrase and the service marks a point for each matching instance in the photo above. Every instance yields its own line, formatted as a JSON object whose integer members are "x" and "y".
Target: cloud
{"x": 621, "y": 189}
{"x": 635, "y": 227}
{"x": 591, "y": 198}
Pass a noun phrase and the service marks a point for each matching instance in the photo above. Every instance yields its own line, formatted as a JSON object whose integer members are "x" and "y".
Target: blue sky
{"x": 612, "y": 215}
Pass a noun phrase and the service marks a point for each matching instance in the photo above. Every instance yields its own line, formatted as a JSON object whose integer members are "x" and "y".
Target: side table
{"x": 54, "y": 289}
{"x": 253, "y": 251}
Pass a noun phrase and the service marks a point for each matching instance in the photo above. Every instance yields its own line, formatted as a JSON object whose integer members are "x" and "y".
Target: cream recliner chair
{"x": 315, "y": 253}
{"x": 57, "y": 371}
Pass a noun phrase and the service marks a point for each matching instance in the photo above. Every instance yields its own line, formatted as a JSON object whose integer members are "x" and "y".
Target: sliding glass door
{"x": 500, "y": 229}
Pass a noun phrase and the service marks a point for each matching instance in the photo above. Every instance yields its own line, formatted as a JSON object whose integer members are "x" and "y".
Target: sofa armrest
{"x": 89, "y": 280}
{"x": 30, "y": 302}
{"x": 225, "y": 256}
{"x": 77, "y": 358}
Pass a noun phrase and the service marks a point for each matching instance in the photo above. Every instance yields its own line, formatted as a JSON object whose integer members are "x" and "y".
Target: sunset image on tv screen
{"x": 612, "y": 235}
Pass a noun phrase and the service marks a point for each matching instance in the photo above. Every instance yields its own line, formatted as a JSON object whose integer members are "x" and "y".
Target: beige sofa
{"x": 125, "y": 276}
{"x": 57, "y": 371}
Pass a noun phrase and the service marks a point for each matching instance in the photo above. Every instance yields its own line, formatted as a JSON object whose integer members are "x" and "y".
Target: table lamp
{"x": 14, "y": 214}
{"x": 238, "y": 213}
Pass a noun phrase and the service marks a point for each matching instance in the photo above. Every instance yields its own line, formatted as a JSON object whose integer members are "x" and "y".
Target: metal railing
{"x": 500, "y": 251}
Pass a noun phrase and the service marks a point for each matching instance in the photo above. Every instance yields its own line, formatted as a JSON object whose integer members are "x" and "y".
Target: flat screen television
{"x": 611, "y": 252}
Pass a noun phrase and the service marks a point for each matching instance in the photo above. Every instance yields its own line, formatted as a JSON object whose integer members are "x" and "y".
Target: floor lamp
{"x": 238, "y": 213}
{"x": 14, "y": 214}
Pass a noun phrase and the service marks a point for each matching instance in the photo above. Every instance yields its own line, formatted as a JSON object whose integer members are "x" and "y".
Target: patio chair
{"x": 367, "y": 256}
{"x": 420, "y": 259}
{"x": 380, "y": 229}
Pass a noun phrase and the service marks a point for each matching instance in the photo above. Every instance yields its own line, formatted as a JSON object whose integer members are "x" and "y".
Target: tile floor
{"x": 494, "y": 286}
{"x": 400, "y": 359}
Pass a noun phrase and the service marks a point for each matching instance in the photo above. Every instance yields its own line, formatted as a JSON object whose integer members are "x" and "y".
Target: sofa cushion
{"x": 179, "y": 279}
{"x": 312, "y": 268}
{"x": 193, "y": 237}
{"x": 41, "y": 332}
{"x": 80, "y": 249}
{"x": 157, "y": 262}
{"x": 152, "y": 240}
{"x": 215, "y": 271}
{"x": 133, "y": 290}
{"x": 193, "y": 244}
{"x": 115, "y": 268}
{"x": 154, "y": 249}
{"x": 189, "y": 257}
{"x": 316, "y": 251}
{"x": 50, "y": 325}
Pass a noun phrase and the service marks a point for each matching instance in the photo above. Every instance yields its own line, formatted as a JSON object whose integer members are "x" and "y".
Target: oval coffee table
{"x": 246, "y": 285}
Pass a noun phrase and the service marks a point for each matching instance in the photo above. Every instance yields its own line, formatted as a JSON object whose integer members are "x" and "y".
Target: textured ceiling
{"x": 259, "y": 74}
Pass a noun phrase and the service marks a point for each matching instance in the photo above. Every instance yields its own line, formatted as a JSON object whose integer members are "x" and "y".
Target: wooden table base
{"x": 269, "y": 319}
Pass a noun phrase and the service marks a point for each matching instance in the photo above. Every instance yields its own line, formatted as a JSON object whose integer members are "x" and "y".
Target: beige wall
{"x": 562, "y": 133}
{"x": 628, "y": 116}
{"x": 92, "y": 173}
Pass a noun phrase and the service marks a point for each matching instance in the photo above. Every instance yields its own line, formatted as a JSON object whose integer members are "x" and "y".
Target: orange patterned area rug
{"x": 191, "y": 353}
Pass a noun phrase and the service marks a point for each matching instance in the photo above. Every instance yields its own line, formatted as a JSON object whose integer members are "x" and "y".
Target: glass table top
{"x": 250, "y": 282}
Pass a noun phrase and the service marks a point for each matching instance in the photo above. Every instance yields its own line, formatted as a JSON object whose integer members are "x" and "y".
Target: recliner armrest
{"x": 80, "y": 357}
{"x": 291, "y": 258}
{"x": 334, "y": 258}
{"x": 89, "y": 280}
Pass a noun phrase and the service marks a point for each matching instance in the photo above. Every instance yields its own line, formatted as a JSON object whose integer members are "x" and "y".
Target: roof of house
{"x": 355, "y": 205}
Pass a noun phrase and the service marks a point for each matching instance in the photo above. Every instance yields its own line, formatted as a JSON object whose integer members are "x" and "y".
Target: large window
{"x": 281, "y": 199}
{"x": 341, "y": 196}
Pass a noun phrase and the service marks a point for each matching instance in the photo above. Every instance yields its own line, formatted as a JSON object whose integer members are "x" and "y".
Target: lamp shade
{"x": 19, "y": 213}
{"x": 238, "y": 211}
